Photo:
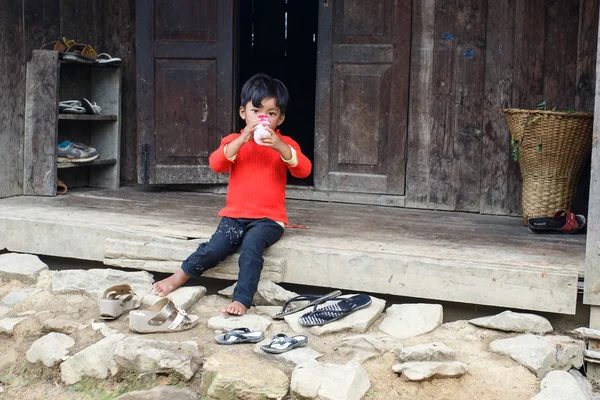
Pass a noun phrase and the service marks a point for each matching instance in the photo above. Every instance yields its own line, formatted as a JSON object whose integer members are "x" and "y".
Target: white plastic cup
{"x": 260, "y": 130}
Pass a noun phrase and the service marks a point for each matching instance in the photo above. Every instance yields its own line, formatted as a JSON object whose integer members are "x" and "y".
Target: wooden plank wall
{"x": 108, "y": 25}
{"x": 469, "y": 60}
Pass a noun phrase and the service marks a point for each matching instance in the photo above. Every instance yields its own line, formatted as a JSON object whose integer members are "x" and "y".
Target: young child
{"x": 254, "y": 215}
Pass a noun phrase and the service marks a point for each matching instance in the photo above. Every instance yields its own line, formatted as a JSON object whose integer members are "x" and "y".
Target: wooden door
{"x": 362, "y": 95}
{"x": 184, "y": 87}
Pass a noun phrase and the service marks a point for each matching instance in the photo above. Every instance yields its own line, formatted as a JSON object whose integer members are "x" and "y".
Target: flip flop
{"x": 90, "y": 108}
{"x": 117, "y": 299}
{"x": 107, "y": 59}
{"x": 163, "y": 317}
{"x": 282, "y": 343}
{"x": 311, "y": 300}
{"x": 561, "y": 222}
{"x": 240, "y": 335}
{"x": 336, "y": 311}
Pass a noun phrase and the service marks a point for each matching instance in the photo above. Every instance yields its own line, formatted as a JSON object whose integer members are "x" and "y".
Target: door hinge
{"x": 145, "y": 177}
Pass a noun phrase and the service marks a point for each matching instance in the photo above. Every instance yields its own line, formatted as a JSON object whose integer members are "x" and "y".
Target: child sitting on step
{"x": 254, "y": 216}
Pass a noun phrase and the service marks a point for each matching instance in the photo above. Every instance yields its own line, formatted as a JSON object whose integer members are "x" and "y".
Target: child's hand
{"x": 275, "y": 142}
{"x": 249, "y": 131}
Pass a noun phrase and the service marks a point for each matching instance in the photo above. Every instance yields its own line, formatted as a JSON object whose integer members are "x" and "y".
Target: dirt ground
{"x": 490, "y": 376}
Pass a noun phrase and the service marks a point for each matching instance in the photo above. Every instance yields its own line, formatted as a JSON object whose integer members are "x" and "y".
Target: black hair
{"x": 262, "y": 86}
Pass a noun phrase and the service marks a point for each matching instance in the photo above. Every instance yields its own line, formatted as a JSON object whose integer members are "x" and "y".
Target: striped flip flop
{"x": 336, "y": 311}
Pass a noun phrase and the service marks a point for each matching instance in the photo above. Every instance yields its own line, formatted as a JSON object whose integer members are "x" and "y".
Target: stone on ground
{"x": 267, "y": 310}
{"x": 427, "y": 352}
{"x": 560, "y": 385}
{"x": 404, "y": 321}
{"x": 228, "y": 376}
{"x": 7, "y": 325}
{"x": 4, "y": 311}
{"x": 230, "y": 322}
{"x": 542, "y": 354}
{"x": 160, "y": 393}
{"x": 509, "y": 321}
{"x": 90, "y": 362}
{"x": 62, "y": 325}
{"x": 295, "y": 356}
{"x": 358, "y": 321}
{"x": 19, "y": 295}
{"x": 22, "y": 267}
{"x": 94, "y": 282}
{"x": 185, "y": 297}
{"x": 103, "y": 329}
{"x": 422, "y": 370}
{"x": 364, "y": 347}
{"x": 314, "y": 380}
{"x": 50, "y": 349}
{"x": 267, "y": 294}
{"x": 157, "y": 356}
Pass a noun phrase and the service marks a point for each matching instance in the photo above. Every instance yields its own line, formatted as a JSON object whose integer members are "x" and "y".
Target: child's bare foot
{"x": 235, "y": 308}
{"x": 167, "y": 285}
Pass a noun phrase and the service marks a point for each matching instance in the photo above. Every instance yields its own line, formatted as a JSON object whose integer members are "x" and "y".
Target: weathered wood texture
{"x": 592, "y": 259}
{"x": 108, "y": 25}
{"x": 469, "y": 61}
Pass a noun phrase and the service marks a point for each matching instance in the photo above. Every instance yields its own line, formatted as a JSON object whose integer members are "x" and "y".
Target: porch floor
{"x": 469, "y": 258}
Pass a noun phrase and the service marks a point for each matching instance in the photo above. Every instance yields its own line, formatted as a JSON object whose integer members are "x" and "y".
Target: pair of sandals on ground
{"x": 71, "y": 51}
{"x": 166, "y": 316}
{"x": 281, "y": 343}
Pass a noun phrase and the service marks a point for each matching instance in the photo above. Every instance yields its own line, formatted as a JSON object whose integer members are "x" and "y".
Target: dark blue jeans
{"x": 253, "y": 236}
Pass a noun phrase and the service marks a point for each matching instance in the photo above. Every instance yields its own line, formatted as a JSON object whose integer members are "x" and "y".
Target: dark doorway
{"x": 279, "y": 38}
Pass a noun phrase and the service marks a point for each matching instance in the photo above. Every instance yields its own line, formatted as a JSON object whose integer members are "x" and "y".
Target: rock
{"x": 358, "y": 321}
{"x": 509, "y": 321}
{"x": 184, "y": 297}
{"x": 4, "y": 311}
{"x": 50, "y": 349}
{"x": 313, "y": 380}
{"x": 267, "y": 294}
{"x": 267, "y": 310}
{"x": 407, "y": 320}
{"x": 160, "y": 393}
{"x": 103, "y": 329}
{"x": 560, "y": 385}
{"x": 229, "y": 322}
{"x": 541, "y": 354}
{"x": 19, "y": 296}
{"x": 7, "y": 325}
{"x": 584, "y": 384}
{"x": 364, "y": 347}
{"x": 419, "y": 371}
{"x": 231, "y": 376}
{"x": 62, "y": 325}
{"x": 157, "y": 356}
{"x": 26, "y": 313}
{"x": 296, "y": 356}
{"x": 90, "y": 362}
{"x": 22, "y": 267}
{"x": 95, "y": 281}
{"x": 427, "y": 352}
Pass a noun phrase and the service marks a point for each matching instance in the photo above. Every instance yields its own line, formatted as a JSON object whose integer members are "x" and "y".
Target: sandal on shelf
{"x": 117, "y": 299}
{"x": 163, "y": 317}
{"x": 71, "y": 107}
{"x": 310, "y": 299}
{"x": 80, "y": 53}
{"x": 327, "y": 314}
{"x": 90, "y": 108}
{"x": 61, "y": 188}
{"x": 240, "y": 335}
{"x": 107, "y": 59}
{"x": 562, "y": 221}
{"x": 282, "y": 343}
{"x": 55, "y": 45}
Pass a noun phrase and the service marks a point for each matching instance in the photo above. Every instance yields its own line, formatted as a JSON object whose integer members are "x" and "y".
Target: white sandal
{"x": 163, "y": 316}
{"x": 118, "y": 299}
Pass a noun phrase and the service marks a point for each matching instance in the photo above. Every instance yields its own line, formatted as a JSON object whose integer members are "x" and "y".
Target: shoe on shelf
{"x": 91, "y": 108}
{"x": 75, "y": 152}
{"x": 71, "y": 107}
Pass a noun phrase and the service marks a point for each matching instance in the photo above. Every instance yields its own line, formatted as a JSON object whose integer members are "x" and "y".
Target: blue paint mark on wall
{"x": 447, "y": 36}
{"x": 469, "y": 54}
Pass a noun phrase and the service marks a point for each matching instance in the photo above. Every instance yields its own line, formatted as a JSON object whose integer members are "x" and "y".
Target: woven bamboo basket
{"x": 554, "y": 147}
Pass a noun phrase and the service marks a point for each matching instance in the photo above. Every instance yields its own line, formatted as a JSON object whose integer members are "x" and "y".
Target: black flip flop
{"x": 282, "y": 343}
{"x": 561, "y": 222}
{"x": 240, "y": 335}
{"x": 334, "y": 312}
{"x": 311, "y": 300}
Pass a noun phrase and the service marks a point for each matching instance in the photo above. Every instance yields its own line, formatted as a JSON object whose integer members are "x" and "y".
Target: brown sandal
{"x": 61, "y": 188}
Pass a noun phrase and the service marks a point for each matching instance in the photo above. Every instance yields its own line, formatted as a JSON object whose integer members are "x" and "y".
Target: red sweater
{"x": 257, "y": 178}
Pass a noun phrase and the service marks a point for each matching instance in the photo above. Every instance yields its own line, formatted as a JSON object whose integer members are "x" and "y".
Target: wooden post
{"x": 592, "y": 256}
